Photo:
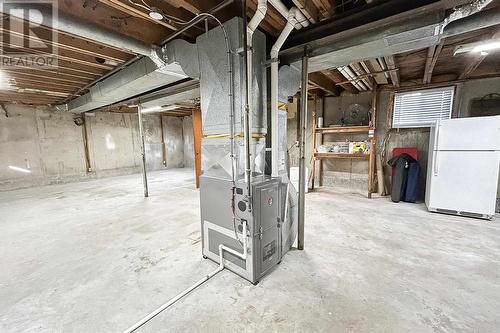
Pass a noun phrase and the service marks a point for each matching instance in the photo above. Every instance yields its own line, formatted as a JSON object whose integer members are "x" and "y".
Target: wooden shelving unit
{"x": 319, "y": 156}
{"x": 343, "y": 129}
{"x": 369, "y": 157}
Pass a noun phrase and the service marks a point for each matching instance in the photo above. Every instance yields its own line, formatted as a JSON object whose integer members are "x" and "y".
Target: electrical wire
{"x": 146, "y": 7}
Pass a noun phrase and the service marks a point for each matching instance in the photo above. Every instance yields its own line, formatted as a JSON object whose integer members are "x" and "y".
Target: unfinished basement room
{"x": 250, "y": 166}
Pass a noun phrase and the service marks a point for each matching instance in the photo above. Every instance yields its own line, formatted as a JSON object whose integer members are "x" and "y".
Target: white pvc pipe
{"x": 283, "y": 10}
{"x": 221, "y": 267}
{"x": 290, "y": 24}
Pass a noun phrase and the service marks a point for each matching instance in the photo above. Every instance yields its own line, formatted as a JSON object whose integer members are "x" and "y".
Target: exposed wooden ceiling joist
{"x": 431, "y": 60}
{"x": 391, "y": 64}
{"x": 307, "y": 7}
{"x": 135, "y": 11}
{"x": 374, "y": 67}
{"x": 337, "y": 77}
{"x": 325, "y": 83}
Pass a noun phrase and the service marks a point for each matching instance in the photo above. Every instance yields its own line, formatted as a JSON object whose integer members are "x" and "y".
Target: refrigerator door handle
{"x": 435, "y": 162}
{"x": 436, "y": 151}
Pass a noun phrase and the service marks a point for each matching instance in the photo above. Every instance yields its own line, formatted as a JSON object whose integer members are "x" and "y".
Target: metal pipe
{"x": 153, "y": 314}
{"x": 143, "y": 151}
{"x": 290, "y": 25}
{"x": 302, "y": 145}
{"x": 76, "y": 26}
{"x": 221, "y": 267}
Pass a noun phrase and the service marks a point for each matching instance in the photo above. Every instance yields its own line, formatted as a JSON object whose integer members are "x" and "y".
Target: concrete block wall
{"x": 40, "y": 146}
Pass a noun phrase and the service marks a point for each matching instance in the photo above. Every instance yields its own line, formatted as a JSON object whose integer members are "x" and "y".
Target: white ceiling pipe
{"x": 284, "y": 11}
{"x": 290, "y": 25}
{"x": 359, "y": 83}
{"x": 349, "y": 75}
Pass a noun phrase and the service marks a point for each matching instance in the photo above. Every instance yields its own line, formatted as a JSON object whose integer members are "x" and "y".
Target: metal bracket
{"x": 240, "y": 50}
{"x": 268, "y": 63}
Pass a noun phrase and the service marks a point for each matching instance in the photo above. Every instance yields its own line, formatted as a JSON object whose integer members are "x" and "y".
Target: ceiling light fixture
{"x": 481, "y": 47}
{"x": 155, "y": 14}
{"x": 492, "y": 45}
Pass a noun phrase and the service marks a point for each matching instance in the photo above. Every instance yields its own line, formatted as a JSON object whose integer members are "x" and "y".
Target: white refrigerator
{"x": 463, "y": 166}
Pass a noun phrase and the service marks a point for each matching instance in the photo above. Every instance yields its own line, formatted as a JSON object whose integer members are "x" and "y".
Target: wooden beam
{"x": 135, "y": 11}
{"x": 192, "y": 6}
{"x": 374, "y": 67}
{"x": 428, "y": 62}
{"x": 391, "y": 64}
{"x": 53, "y": 76}
{"x": 308, "y": 8}
{"x": 325, "y": 7}
{"x": 70, "y": 56}
{"x": 325, "y": 83}
{"x": 197, "y": 135}
{"x": 108, "y": 17}
{"x": 66, "y": 41}
{"x": 432, "y": 57}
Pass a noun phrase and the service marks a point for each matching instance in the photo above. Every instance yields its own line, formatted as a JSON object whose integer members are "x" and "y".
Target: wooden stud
{"x": 197, "y": 135}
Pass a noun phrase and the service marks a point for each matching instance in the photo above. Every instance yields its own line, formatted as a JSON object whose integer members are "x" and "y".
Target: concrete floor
{"x": 97, "y": 256}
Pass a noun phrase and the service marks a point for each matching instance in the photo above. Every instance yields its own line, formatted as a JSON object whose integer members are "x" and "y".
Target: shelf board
{"x": 343, "y": 129}
{"x": 319, "y": 156}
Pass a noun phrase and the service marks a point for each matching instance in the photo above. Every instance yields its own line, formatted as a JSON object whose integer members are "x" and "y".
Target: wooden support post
{"x": 85, "y": 136}
{"x": 314, "y": 125}
{"x": 321, "y": 142}
{"x": 373, "y": 142}
{"x": 197, "y": 135}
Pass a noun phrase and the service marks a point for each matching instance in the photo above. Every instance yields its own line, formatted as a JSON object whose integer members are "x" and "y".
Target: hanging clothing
{"x": 405, "y": 179}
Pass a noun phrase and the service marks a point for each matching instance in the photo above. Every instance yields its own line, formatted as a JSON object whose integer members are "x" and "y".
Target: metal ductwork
{"x": 476, "y": 21}
{"x": 76, "y": 26}
{"x": 176, "y": 61}
{"x": 419, "y": 32}
{"x": 141, "y": 76}
{"x": 157, "y": 68}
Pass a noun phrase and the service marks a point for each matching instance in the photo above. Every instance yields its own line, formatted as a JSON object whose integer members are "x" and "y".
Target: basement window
{"x": 422, "y": 108}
